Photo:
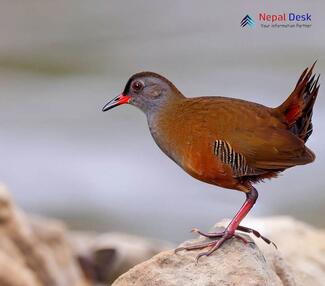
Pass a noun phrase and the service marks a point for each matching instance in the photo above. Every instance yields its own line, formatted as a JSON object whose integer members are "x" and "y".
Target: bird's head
{"x": 147, "y": 91}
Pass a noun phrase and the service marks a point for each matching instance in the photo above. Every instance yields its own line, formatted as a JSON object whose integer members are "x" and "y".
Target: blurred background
{"x": 60, "y": 61}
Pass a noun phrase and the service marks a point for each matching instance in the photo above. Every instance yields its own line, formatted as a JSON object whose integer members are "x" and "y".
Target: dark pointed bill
{"x": 118, "y": 100}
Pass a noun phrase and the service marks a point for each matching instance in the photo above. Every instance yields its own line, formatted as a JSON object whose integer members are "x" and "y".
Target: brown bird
{"x": 227, "y": 142}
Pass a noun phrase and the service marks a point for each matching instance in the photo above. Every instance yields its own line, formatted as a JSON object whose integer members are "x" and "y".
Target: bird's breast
{"x": 190, "y": 145}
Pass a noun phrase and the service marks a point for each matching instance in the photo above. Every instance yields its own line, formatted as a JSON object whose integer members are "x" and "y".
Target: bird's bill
{"x": 118, "y": 100}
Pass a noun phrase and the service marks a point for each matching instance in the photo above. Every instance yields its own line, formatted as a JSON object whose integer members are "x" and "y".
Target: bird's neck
{"x": 161, "y": 122}
{"x": 164, "y": 109}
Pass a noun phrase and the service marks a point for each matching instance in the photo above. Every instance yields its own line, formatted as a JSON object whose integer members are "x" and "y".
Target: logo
{"x": 284, "y": 17}
{"x": 247, "y": 21}
{"x": 284, "y": 20}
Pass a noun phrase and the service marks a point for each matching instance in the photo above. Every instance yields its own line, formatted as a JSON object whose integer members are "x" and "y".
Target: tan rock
{"x": 299, "y": 260}
{"x": 105, "y": 257}
{"x": 234, "y": 264}
{"x": 37, "y": 251}
{"x": 42, "y": 252}
{"x": 34, "y": 252}
{"x": 301, "y": 245}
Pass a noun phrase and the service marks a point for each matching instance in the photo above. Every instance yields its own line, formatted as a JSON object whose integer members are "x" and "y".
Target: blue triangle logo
{"x": 247, "y": 21}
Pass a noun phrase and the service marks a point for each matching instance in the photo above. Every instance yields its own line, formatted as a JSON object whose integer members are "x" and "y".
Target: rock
{"x": 34, "y": 252}
{"x": 239, "y": 264}
{"x": 233, "y": 264}
{"x": 302, "y": 247}
{"x": 107, "y": 256}
{"x": 37, "y": 251}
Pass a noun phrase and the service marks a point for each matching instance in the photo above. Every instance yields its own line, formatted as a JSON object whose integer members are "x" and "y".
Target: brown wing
{"x": 270, "y": 148}
{"x": 257, "y": 137}
{"x": 237, "y": 161}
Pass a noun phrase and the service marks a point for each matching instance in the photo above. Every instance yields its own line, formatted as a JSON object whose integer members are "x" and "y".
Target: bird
{"x": 227, "y": 142}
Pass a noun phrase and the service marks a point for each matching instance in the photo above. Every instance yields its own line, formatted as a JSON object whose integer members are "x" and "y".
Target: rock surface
{"x": 38, "y": 251}
{"x": 234, "y": 264}
{"x": 32, "y": 252}
{"x": 105, "y": 257}
{"x": 302, "y": 247}
{"x": 42, "y": 252}
{"x": 300, "y": 261}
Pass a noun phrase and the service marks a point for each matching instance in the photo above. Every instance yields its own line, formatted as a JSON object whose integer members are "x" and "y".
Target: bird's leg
{"x": 229, "y": 232}
{"x": 251, "y": 198}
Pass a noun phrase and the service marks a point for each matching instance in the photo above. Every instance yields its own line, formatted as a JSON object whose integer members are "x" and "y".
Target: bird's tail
{"x": 297, "y": 110}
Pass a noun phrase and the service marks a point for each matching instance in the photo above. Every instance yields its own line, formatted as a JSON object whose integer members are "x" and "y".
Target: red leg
{"x": 229, "y": 232}
{"x": 251, "y": 198}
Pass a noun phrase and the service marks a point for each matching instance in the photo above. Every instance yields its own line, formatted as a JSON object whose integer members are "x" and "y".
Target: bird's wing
{"x": 270, "y": 148}
{"x": 236, "y": 160}
{"x": 247, "y": 134}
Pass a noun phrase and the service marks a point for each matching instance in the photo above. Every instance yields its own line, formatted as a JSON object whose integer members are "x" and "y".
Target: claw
{"x": 195, "y": 230}
{"x": 199, "y": 256}
{"x": 179, "y": 249}
{"x": 215, "y": 246}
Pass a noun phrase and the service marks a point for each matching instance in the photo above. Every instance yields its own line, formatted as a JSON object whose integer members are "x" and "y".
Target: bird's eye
{"x": 137, "y": 85}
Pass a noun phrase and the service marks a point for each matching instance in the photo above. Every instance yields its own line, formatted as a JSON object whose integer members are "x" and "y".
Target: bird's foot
{"x": 239, "y": 228}
{"x": 218, "y": 238}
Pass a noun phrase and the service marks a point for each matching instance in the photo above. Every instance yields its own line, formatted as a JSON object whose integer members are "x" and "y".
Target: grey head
{"x": 148, "y": 91}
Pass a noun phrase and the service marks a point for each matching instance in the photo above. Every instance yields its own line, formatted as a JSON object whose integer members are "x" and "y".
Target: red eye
{"x": 137, "y": 85}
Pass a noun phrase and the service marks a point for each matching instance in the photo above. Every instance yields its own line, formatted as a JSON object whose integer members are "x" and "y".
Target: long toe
{"x": 195, "y": 246}
{"x": 256, "y": 233}
{"x": 215, "y": 246}
{"x": 208, "y": 234}
{"x": 216, "y": 243}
